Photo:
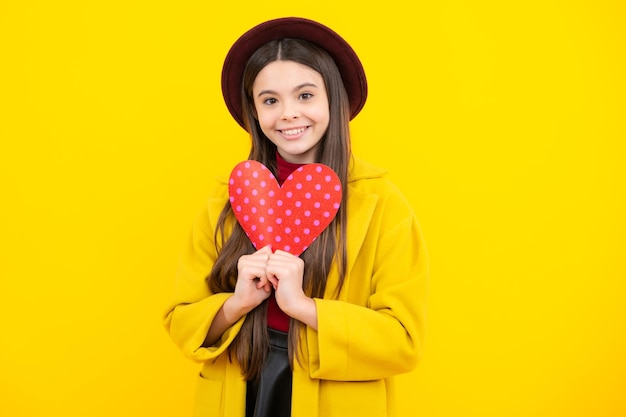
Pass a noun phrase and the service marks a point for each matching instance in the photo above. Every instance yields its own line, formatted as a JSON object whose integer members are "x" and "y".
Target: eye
{"x": 269, "y": 101}
{"x": 306, "y": 96}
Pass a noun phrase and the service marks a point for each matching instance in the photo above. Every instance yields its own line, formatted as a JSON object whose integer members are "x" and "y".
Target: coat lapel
{"x": 361, "y": 207}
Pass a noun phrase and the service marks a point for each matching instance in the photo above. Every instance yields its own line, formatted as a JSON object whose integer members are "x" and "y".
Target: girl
{"x": 323, "y": 333}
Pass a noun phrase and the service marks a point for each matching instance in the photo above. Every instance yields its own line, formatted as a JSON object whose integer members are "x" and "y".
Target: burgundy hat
{"x": 347, "y": 61}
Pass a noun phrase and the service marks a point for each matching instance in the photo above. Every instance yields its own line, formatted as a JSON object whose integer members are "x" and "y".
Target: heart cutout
{"x": 290, "y": 217}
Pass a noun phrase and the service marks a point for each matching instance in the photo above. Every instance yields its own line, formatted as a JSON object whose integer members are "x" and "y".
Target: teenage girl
{"x": 323, "y": 333}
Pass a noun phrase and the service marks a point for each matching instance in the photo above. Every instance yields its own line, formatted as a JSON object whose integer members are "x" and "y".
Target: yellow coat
{"x": 372, "y": 332}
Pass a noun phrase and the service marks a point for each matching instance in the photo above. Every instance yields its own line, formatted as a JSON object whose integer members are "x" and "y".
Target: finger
{"x": 281, "y": 265}
{"x": 273, "y": 280}
{"x": 253, "y": 263}
{"x": 249, "y": 271}
{"x": 261, "y": 282}
{"x": 265, "y": 249}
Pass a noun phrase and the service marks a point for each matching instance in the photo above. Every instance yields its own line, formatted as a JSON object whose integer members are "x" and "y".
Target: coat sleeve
{"x": 382, "y": 336}
{"x": 189, "y": 315}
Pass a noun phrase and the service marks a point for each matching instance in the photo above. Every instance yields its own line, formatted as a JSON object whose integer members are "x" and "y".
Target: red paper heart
{"x": 290, "y": 217}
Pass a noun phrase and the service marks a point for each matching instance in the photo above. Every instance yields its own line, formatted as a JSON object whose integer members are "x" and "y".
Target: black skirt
{"x": 270, "y": 394}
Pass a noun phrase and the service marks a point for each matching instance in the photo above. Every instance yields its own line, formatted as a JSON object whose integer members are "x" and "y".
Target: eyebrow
{"x": 301, "y": 86}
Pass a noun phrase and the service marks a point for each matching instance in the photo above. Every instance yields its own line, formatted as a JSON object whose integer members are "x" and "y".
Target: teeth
{"x": 293, "y": 131}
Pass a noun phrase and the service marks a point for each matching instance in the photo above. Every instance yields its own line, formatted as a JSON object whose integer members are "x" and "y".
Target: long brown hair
{"x": 251, "y": 345}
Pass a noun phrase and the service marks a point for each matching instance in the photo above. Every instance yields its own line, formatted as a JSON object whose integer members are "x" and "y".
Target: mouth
{"x": 289, "y": 133}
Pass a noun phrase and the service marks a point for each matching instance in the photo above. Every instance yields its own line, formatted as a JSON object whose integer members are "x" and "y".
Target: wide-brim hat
{"x": 345, "y": 57}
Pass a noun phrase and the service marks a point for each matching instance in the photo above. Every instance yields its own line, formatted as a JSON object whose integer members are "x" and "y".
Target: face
{"x": 292, "y": 108}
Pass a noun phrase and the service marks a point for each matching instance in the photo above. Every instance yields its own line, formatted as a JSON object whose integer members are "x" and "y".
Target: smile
{"x": 293, "y": 132}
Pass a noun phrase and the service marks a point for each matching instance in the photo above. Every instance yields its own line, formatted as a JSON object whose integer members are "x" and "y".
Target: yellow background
{"x": 503, "y": 122}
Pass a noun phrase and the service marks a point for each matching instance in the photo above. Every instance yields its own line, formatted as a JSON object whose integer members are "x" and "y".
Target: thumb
{"x": 266, "y": 249}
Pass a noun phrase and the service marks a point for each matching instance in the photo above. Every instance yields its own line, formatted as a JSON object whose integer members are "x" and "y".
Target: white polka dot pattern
{"x": 290, "y": 217}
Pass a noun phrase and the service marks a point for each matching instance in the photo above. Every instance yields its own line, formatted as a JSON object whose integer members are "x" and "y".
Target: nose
{"x": 290, "y": 111}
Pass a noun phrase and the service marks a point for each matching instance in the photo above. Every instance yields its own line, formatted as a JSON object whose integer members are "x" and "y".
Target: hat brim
{"x": 350, "y": 67}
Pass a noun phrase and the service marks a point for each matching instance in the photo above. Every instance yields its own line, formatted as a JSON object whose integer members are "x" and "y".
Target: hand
{"x": 251, "y": 289}
{"x": 285, "y": 272}
{"x": 252, "y": 285}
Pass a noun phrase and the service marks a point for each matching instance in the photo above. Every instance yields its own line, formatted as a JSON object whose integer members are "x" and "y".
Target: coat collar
{"x": 361, "y": 170}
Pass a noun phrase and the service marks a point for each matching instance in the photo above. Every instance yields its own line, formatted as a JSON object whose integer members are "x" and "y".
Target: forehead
{"x": 286, "y": 75}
